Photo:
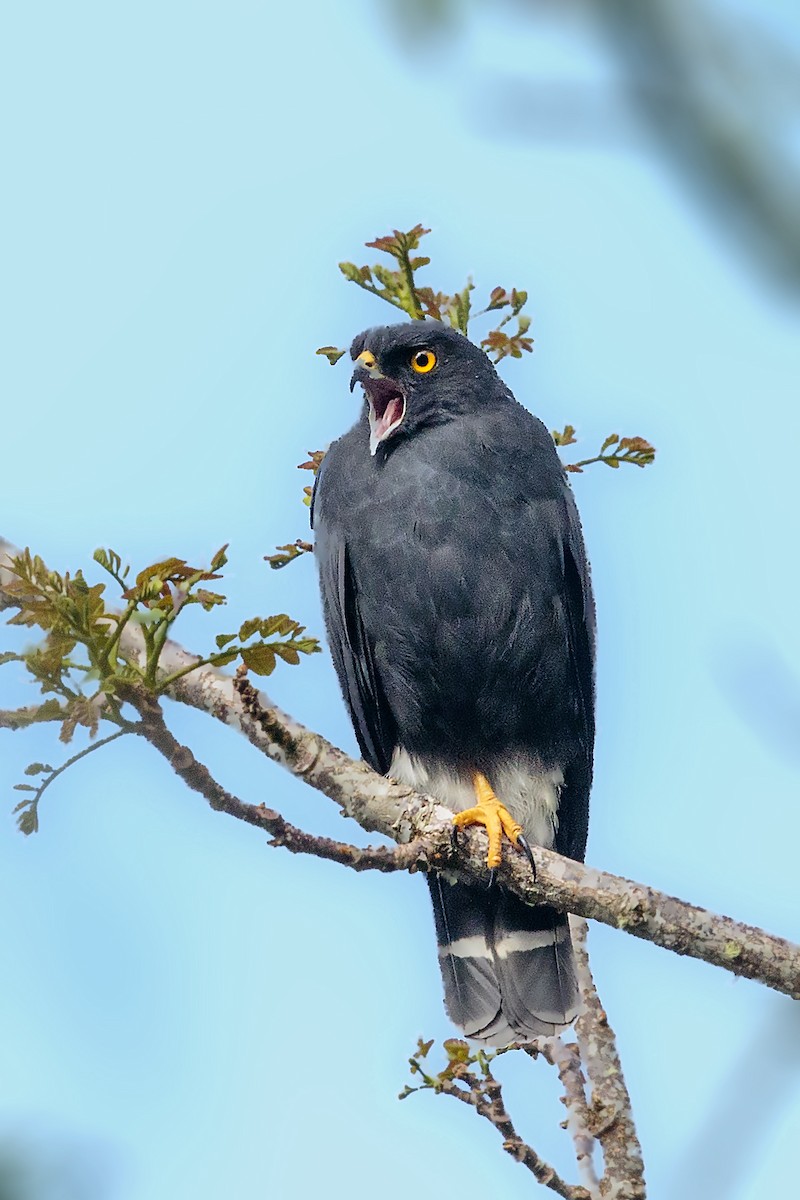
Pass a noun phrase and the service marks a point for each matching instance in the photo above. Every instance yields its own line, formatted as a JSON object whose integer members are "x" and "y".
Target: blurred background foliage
{"x": 46, "y": 1166}
{"x": 713, "y": 88}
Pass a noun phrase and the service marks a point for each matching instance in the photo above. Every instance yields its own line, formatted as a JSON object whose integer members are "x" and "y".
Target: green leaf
{"x": 332, "y": 353}
{"x": 351, "y": 272}
{"x": 208, "y": 600}
{"x": 566, "y": 437}
{"x": 220, "y": 558}
{"x": 267, "y": 626}
{"x": 288, "y": 554}
{"x": 314, "y": 462}
{"x": 223, "y": 639}
{"x": 227, "y": 656}
{"x": 28, "y": 822}
{"x": 307, "y": 645}
{"x": 110, "y": 561}
{"x": 25, "y": 787}
{"x": 259, "y": 659}
{"x": 38, "y": 768}
{"x": 456, "y": 1050}
{"x": 287, "y": 652}
{"x": 250, "y": 626}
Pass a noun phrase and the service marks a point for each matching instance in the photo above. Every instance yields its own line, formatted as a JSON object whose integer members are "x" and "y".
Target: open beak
{"x": 386, "y": 401}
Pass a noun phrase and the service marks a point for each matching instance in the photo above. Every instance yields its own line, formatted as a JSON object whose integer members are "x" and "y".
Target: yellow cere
{"x": 423, "y": 361}
{"x": 367, "y": 359}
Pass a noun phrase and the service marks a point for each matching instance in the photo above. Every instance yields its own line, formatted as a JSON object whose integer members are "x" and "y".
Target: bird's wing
{"x": 580, "y": 630}
{"x": 353, "y": 654}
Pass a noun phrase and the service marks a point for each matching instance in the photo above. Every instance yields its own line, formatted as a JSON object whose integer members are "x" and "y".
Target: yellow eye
{"x": 423, "y": 361}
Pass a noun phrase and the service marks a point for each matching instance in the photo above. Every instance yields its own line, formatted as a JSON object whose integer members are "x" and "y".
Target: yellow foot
{"x": 491, "y": 813}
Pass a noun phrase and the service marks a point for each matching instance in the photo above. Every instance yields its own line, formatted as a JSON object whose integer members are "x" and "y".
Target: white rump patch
{"x": 531, "y": 795}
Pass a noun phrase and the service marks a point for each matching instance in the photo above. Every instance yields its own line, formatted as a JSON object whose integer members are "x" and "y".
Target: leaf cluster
{"x": 260, "y": 656}
{"x": 81, "y": 666}
{"x": 399, "y": 286}
{"x": 313, "y": 465}
{"x": 288, "y": 553}
{"x": 634, "y": 450}
{"x": 292, "y": 550}
{"x": 460, "y": 1058}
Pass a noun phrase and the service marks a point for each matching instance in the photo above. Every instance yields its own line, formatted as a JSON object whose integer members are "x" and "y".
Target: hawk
{"x": 460, "y": 617}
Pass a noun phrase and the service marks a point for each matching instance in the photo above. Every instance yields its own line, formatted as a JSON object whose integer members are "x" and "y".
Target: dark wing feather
{"x": 353, "y": 655}
{"x": 580, "y": 627}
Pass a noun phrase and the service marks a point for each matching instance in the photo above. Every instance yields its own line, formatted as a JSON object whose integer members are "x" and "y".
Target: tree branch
{"x": 485, "y": 1095}
{"x": 611, "y": 1118}
{"x": 381, "y": 805}
{"x": 196, "y": 776}
{"x": 396, "y": 811}
{"x": 468, "y": 1076}
{"x": 565, "y": 1057}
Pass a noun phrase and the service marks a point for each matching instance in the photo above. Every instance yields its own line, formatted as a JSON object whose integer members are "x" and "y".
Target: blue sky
{"x": 186, "y": 1011}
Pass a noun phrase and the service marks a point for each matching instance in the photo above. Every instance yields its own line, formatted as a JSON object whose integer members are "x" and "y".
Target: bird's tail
{"x": 508, "y": 969}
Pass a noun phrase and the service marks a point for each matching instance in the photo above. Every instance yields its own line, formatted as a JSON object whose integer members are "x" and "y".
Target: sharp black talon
{"x": 492, "y": 878}
{"x": 525, "y": 844}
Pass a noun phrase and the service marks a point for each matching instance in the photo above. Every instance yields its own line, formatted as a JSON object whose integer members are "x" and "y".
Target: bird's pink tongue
{"x": 389, "y": 417}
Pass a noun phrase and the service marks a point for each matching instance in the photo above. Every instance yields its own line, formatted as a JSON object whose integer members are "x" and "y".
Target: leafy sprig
{"x": 634, "y": 450}
{"x": 460, "y": 1057}
{"x": 400, "y": 287}
{"x": 260, "y": 656}
{"x": 313, "y": 465}
{"x": 288, "y": 553}
{"x": 27, "y": 811}
{"x": 82, "y": 667}
{"x": 296, "y": 549}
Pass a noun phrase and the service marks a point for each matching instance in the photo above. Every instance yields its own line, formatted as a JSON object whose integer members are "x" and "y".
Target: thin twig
{"x": 196, "y": 775}
{"x": 485, "y": 1095}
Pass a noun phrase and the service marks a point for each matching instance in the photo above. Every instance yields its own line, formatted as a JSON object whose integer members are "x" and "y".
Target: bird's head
{"x": 418, "y": 374}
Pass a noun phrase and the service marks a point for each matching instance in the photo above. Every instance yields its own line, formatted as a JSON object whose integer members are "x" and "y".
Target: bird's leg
{"x": 492, "y": 814}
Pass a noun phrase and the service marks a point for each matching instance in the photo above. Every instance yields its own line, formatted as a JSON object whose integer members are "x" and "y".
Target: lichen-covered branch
{"x": 610, "y": 1114}
{"x": 565, "y": 1057}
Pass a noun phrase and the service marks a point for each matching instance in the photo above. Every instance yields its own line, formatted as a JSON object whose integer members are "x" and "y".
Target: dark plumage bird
{"x": 460, "y": 618}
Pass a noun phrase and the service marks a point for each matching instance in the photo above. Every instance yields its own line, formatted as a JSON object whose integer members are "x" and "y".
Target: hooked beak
{"x": 385, "y": 399}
